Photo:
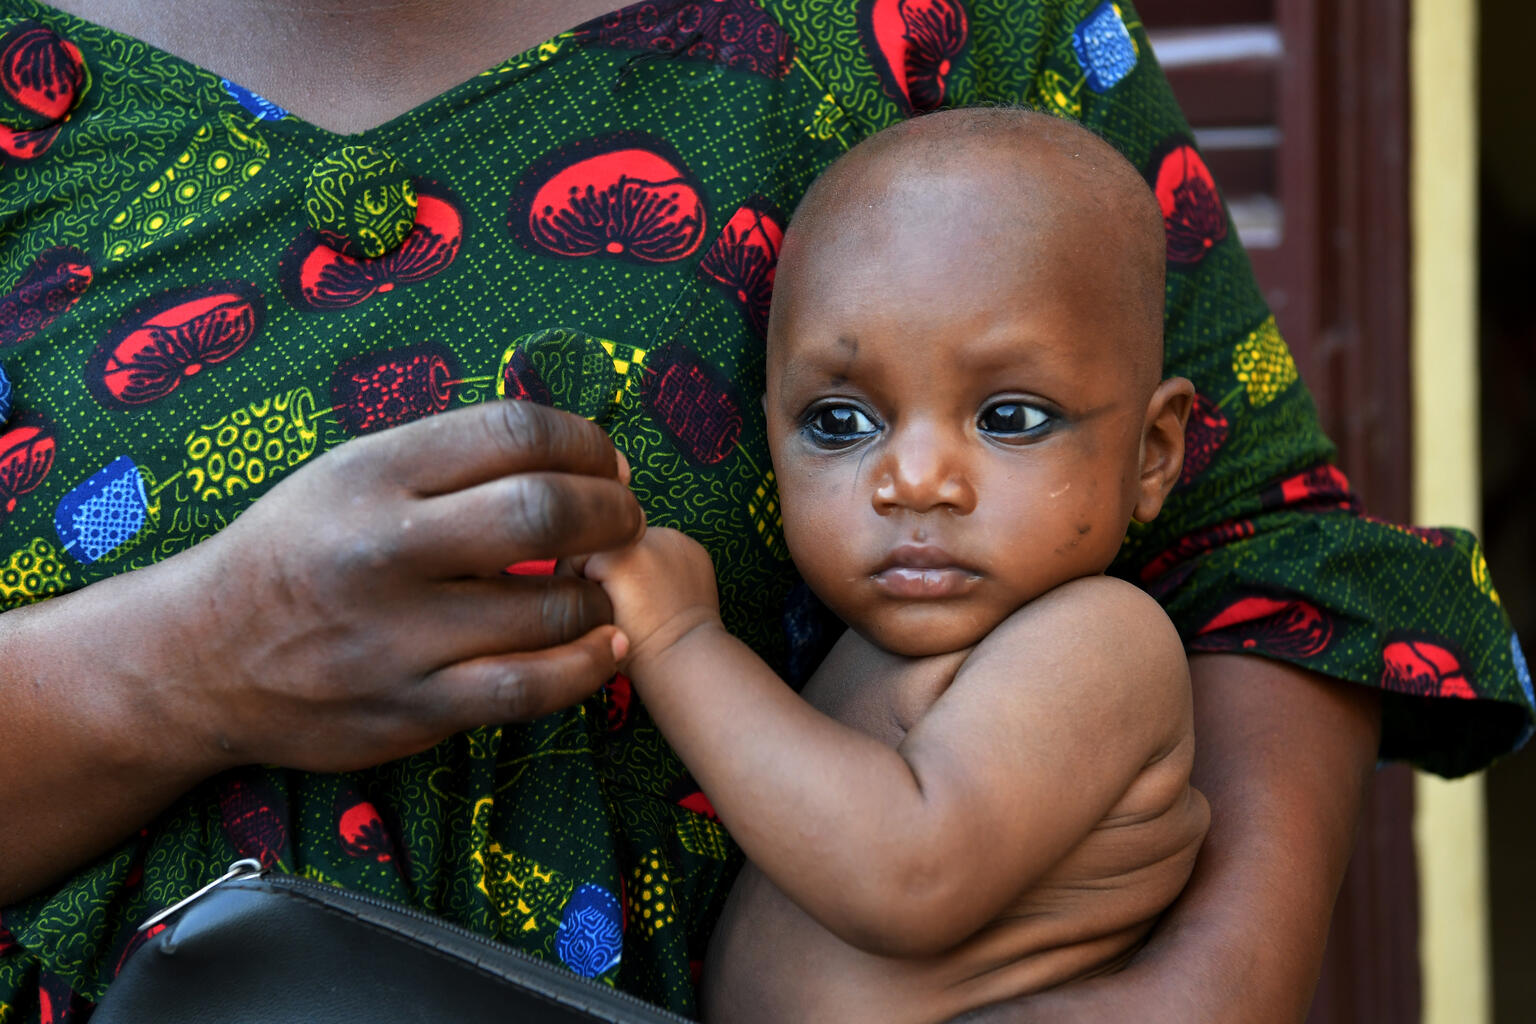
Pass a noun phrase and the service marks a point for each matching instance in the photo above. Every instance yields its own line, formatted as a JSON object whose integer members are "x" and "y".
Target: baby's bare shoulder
{"x": 1101, "y": 633}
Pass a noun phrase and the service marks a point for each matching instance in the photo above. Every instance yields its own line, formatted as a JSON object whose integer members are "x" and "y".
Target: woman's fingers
{"x": 482, "y": 529}
{"x": 467, "y": 619}
{"x": 521, "y": 687}
{"x": 469, "y": 446}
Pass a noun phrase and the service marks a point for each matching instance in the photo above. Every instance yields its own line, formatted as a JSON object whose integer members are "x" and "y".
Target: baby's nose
{"x": 922, "y": 473}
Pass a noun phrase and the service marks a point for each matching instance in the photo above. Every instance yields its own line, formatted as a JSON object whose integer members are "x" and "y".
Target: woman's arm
{"x": 353, "y": 615}
{"x": 1284, "y": 757}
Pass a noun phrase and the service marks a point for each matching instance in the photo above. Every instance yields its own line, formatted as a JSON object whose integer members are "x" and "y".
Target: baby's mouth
{"x": 923, "y": 570}
{"x": 915, "y": 582}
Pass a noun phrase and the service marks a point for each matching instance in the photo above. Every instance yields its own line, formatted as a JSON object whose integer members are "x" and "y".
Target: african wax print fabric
{"x": 201, "y": 293}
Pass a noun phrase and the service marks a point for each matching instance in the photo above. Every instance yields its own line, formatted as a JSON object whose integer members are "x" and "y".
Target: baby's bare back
{"x": 772, "y": 962}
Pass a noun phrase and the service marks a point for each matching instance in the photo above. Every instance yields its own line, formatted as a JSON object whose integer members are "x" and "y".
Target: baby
{"x": 984, "y": 789}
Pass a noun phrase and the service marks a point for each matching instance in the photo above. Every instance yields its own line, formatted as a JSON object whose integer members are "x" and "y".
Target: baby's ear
{"x": 1162, "y": 445}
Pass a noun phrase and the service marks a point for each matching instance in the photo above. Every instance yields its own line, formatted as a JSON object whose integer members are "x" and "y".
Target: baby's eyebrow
{"x": 804, "y": 373}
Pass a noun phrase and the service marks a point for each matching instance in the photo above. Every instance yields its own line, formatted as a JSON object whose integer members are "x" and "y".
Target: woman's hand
{"x": 355, "y": 614}
{"x": 359, "y": 612}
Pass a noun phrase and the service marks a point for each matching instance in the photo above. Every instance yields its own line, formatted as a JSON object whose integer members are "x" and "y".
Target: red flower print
{"x": 316, "y": 277}
{"x": 1193, "y": 217}
{"x": 1321, "y": 488}
{"x": 44, "y": 75}
{"x": 1204, "y": 434}
{"x": 743, "y": 260}
{"x": 618, "y": 695}
{"x": 135, "y": 942}
{"x": 26, "y": 456}
{"x": 160, "y": 343}
{"x": 252, "y": 813}
{"x": 48, "y": 290}
{"x": 625, "y": 196}
{"x": 692, "y": 404}
{"x": 1425, "y": 667}
{"x": 1280, "y": 625}
{"x": 685, "y": 792}
{"x": 736, "y": 33}
{"x": 522, "y": 382}
{"x": 379, "y": 390}
{"x": 913, "y": 45}
{"x": 1193, "y": 544}
{"x": 8, "y": 943}
{"x": 698, "y": 803}
{"x": 58, "y": 1003}
{"x": 363, "y": 834}
{"x": 26, "y": 145}
{"x": 41, "y": 71}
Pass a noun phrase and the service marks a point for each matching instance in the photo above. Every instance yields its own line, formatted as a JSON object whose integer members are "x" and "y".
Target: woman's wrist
{"x": 143, "y": 705}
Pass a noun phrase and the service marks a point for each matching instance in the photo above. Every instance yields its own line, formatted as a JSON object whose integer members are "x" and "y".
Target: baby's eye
{"x": 839, "y": 424}
{"x": 1012, "y": 418}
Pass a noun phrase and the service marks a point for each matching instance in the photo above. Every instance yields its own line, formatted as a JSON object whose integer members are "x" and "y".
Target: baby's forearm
{"x": 835, "y": 818}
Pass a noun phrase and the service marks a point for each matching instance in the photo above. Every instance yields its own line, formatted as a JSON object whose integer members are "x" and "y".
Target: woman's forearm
{"x": 1284, "y": 757}
{"x": 93, "y": 742}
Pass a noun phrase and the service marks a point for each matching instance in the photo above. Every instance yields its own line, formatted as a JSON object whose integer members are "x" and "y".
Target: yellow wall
{"x": 1449, "y": 828}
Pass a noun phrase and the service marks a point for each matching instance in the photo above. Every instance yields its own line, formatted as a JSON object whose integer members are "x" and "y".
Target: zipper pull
{"x": 250, "y": 867}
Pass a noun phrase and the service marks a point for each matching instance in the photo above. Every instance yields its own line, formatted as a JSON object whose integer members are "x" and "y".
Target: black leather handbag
{"x": 254, "y": 948}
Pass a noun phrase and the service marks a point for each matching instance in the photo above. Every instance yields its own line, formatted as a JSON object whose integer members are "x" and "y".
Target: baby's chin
{"x": 926, "y": 632}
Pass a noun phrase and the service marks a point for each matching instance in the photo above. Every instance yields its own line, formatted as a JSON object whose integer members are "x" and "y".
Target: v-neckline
{"x": 529, "y": 57}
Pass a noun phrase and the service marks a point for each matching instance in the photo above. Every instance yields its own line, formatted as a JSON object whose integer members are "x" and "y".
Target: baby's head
{"x": 964, "y": 396}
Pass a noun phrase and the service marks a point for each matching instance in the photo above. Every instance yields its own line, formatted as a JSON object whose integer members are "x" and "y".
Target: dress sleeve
{"x": 1263, "y": 548}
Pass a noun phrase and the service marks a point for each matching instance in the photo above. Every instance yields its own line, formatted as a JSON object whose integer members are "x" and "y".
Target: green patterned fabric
{"x": 200, "y": 293}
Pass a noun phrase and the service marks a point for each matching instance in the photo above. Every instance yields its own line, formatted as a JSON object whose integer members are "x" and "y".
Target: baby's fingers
{"x": 522, "y": 687}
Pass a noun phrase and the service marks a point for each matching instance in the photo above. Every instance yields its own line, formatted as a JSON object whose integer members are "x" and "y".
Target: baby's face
{"x": 955, "y": 420}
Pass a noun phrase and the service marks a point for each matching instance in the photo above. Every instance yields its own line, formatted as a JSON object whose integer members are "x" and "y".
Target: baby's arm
{"x": 906, "y": 851}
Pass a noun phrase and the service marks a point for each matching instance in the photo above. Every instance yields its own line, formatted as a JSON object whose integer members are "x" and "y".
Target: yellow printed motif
{"x": 251, "y": 445}
{"x": 624, "y": 358}
{"x": 527, "y": 897}
{"x": 543, "y": 53}
{"x": 1062, "y": 94}
{"x": 1480, "y": 576}
{"x": 31, "y": 574}
{"x": 763, "y": 507}
{"x": 703, "y": 837}
{"x": 650, "y": 896}
{"x": 221, "y": 158}
{"x": 1263, "y": 364}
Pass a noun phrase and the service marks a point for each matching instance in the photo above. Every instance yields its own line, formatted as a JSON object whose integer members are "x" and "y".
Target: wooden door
{"x": 1301, "y": 111}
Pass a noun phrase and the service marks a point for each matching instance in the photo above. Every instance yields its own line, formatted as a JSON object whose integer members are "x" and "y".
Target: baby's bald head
{"x": 1003, "y": 175}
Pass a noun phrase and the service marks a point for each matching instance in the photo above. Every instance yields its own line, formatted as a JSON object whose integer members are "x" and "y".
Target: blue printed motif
{"x": 590, "y": 939}
{"x": 104, "y": 513}
{"x": 1104, "y": 47}
{"x": 261, "y": 108}
{"x": 5, "y": 396}
{"x": 1522, "y": 673}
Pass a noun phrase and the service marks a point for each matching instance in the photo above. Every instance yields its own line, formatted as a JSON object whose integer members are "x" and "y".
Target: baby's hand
{"x": 662, "y": 586}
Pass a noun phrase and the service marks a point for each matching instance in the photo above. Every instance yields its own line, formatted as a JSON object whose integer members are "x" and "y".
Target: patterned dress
{"x": 200, "y": 294}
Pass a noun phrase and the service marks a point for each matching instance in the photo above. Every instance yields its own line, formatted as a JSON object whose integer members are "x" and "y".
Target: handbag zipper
{"x": 249, "y": 868}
